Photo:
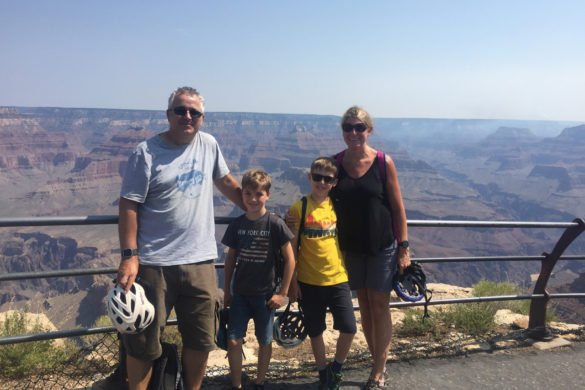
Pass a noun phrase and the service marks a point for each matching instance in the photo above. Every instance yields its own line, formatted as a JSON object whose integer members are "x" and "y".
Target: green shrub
{"x": 414, "y": 325}
{"x": 472, "y": 318}
{"x": 486, "y": 288}
{"x": 18, "y": 360}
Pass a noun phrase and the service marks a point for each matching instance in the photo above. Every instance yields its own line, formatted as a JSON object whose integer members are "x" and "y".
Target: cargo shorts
{"x": 190, "y": 289}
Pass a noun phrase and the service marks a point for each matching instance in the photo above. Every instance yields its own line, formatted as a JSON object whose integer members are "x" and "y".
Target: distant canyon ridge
{"x": 70, "y": 161}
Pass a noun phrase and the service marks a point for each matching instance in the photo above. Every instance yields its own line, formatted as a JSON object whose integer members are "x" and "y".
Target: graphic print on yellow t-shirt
{"x": 320, "y": 262}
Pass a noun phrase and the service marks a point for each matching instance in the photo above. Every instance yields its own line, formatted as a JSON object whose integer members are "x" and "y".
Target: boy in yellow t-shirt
{"x": 320, "y": 273}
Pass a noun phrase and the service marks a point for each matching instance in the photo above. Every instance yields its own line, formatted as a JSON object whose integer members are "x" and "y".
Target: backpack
{"x": 166, "y": 370}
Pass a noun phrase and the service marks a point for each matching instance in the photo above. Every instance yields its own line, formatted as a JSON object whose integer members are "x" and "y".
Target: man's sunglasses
{"x": 317, "y": 178}
{"x": 359, "y": 127}
{"x": 182, "y": 111}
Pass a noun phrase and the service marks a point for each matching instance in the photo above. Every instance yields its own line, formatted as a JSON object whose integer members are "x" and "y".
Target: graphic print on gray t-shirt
{"x": 189, "y": 179}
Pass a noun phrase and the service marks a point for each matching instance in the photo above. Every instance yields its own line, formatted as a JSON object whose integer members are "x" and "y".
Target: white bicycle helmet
{"x": 130, "y": 311}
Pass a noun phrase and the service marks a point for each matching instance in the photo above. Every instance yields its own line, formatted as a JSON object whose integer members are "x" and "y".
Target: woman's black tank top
{"x": 364, "y": 218}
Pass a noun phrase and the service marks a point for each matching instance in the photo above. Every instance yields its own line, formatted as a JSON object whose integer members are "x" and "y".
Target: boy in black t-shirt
{"x": 249, "y": 281}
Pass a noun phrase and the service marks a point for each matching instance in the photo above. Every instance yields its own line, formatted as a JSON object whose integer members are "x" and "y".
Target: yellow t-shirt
{"x": 320, "y": 262}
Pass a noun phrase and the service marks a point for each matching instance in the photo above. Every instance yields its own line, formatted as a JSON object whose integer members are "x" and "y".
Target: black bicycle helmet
{"x": 411, "y": 285}
{"x": 222, "y": 331}
{"x": 289, "y": 330}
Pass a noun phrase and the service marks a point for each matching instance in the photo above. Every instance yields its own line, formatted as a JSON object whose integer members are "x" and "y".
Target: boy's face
{"x": 255, "y": 198}
{"x": 322, "y": 181}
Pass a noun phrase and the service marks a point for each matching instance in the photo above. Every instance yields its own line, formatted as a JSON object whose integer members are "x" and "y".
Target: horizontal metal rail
{"x": 83, "y": 220}
{"x": 79, "y": 332}
{"x": 113, "y": 219}
{"x": 113, "y": 270}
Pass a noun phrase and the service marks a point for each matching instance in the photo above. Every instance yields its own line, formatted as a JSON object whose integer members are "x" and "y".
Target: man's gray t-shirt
{"x": 174, "y": 188}
{"x": 257, "y": 244}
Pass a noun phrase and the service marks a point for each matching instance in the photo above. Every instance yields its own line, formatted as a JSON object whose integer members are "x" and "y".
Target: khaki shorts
{"x": 191, "y": 290}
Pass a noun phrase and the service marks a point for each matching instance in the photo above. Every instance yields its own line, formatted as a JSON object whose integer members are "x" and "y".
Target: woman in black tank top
{"x": 370, "y": 220}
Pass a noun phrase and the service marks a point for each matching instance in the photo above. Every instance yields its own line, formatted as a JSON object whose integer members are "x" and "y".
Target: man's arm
{"x": 128, "y": 231}
{"x": 231, "y": 189}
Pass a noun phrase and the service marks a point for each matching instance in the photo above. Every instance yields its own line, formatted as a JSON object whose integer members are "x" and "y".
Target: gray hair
{"x": 186, "y": 91}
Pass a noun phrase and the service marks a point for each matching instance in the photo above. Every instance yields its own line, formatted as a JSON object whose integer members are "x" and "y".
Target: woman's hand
{"x": 403, "y": 259}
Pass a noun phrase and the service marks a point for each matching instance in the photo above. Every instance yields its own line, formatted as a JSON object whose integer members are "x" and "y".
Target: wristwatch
{"x": 404, "y": 244}
{"x": 126, "y": 253}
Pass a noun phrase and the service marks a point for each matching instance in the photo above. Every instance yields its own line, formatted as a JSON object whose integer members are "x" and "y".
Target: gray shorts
{"x": 191, "y": 290}
{"x": 374, "y": 272}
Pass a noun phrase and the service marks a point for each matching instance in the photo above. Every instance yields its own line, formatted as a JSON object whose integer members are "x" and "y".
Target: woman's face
{"x": 355, "y": 133}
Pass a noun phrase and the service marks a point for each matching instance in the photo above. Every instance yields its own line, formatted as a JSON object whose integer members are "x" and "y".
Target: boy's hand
{"x": 277, "y": 301}
{"x": 290, "y": 219}
{"x": 294, "y": 292}
{"x": 227, "y": 299}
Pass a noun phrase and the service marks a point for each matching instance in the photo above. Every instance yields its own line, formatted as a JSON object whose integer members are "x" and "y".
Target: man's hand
{"x": 127, "y": 272}
{"x": 277, "y": 301}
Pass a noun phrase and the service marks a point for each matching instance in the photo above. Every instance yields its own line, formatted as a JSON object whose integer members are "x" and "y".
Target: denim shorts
{"x": 373, "y": 272}
{"x": 246, "y": 307}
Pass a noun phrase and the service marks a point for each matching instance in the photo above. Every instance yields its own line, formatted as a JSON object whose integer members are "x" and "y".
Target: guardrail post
{"x": 537, "y": 320}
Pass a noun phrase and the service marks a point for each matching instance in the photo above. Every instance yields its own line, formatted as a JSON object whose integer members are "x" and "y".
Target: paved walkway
{"x": 530, "y": 369}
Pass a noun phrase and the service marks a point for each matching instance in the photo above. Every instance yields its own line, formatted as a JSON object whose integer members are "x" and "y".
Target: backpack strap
{"x": 339, "y": 158}
{"x": 382, "y": 166}
{"x": 278, "y": 263}
{"x": 302, "y": 222}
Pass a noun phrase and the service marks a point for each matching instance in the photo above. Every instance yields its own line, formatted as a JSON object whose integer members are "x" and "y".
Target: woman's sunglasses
{"x": 318, "y": 178}
{"x": 359, "y": 127}
{"x": 182, "y": 111}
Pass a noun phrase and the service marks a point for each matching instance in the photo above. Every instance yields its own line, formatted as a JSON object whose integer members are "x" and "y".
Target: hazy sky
{"x": 438, "y": 58}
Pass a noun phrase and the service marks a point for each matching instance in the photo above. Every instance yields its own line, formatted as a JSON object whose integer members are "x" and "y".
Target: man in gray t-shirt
{"x": 167, "y": 236}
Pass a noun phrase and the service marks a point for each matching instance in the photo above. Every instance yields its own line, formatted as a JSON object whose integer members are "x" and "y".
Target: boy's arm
{"x": 293, "y": 222}
{"x": 279, "y": 298}
{"x": 228, "y": 271}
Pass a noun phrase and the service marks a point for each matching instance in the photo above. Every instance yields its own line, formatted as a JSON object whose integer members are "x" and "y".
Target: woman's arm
{"x": 398, "y": 212}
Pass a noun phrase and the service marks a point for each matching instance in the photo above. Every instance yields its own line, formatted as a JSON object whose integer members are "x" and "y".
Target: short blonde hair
{"x": 256, "y": 179}
{"x": 358, "y": 113}
{"x": 326, "y": 164}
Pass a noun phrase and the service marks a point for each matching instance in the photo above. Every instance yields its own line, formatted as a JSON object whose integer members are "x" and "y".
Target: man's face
{"x": 183, "y": 117}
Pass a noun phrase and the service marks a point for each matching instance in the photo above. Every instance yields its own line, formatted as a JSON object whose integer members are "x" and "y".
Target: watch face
{"x": 129, "y": 252}
{"x": 404, "y": 244}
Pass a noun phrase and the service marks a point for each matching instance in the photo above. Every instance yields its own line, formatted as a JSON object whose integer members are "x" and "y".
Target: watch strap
{"x": 129, "y": 252}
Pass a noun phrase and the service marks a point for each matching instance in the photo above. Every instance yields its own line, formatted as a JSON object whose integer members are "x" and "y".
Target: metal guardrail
{"x": 539, "y": 298}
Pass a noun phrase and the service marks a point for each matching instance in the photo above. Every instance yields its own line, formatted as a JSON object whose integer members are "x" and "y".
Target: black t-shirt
{"x": 255, "y": 252}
